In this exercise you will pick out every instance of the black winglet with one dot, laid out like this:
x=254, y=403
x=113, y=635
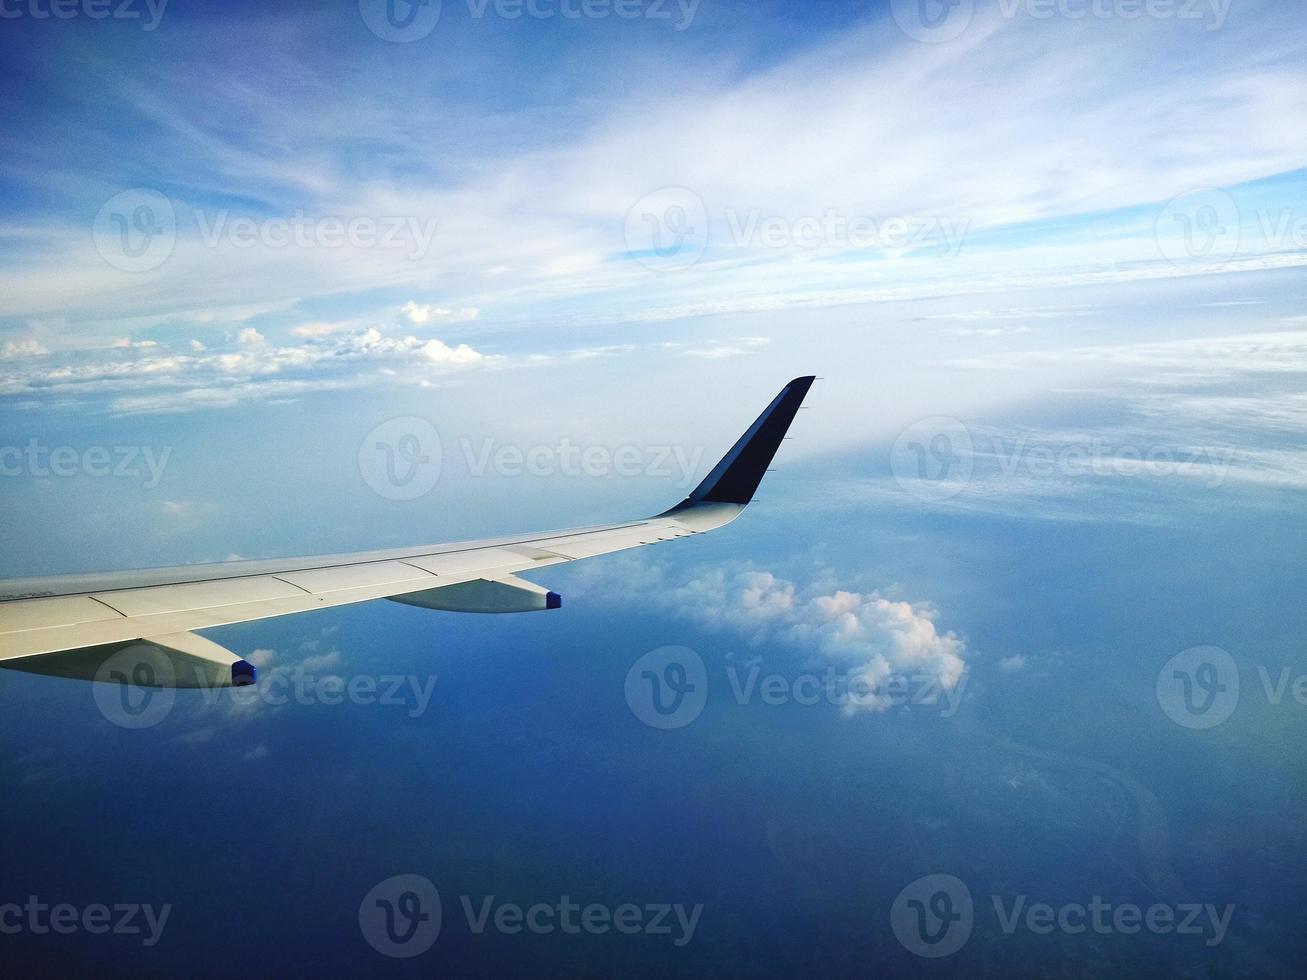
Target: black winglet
x=736, y=477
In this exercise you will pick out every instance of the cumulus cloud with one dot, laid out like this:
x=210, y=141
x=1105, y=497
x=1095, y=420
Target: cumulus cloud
x=439, y=353
x=287, y=673
x=1010, y=665
x=876, y=641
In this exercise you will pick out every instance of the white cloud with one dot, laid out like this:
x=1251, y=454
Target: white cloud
x=422, y=315
x=439, y=353
x=316, y=662
x=262, y=657
x=877, y=641
x=188, y=508
x=538, y=218
x=713, y=353
x=153, y=379
x=1010, y=665
x=23, y=348
x=317, y=328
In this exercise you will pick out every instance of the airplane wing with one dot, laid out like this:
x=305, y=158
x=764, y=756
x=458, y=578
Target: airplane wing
x=79, y=626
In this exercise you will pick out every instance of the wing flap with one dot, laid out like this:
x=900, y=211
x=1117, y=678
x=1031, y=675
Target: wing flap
x=322, y=580
x=605, y=542
x=196, y=595
x=63, y=611
x=477, y=560
x=173, y=660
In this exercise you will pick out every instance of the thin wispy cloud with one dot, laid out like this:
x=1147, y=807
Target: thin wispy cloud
x=783, y=159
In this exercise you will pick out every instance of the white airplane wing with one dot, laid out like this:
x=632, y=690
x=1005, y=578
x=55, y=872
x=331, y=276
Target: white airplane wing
x=79, y=626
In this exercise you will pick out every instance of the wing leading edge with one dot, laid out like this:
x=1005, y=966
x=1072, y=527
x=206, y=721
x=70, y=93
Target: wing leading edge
x=73, y=626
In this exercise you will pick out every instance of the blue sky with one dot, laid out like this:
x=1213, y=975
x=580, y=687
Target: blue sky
x=1057, y=250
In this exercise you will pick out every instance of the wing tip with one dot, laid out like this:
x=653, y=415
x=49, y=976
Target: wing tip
x=736, y=477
